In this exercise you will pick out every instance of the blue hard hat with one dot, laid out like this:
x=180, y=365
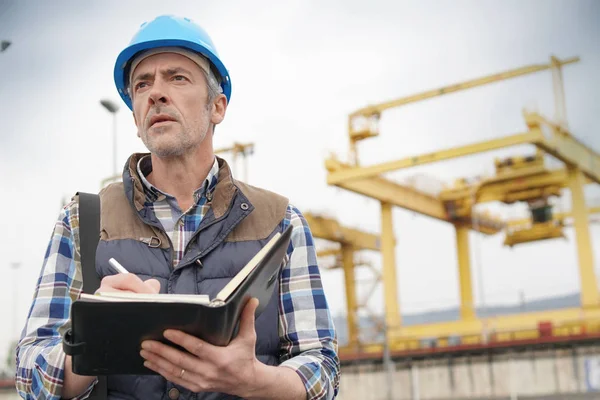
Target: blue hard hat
x=169, y=31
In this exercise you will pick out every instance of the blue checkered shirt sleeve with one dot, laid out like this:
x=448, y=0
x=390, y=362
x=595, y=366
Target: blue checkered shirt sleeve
x=307, y=333
x=40, y=358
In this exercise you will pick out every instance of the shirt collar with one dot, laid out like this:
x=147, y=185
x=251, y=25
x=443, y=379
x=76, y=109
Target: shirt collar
x=144, y=168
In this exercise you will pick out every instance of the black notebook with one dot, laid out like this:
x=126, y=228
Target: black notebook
x=107, y=329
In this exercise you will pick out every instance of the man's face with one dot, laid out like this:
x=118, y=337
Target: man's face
x=169, y=95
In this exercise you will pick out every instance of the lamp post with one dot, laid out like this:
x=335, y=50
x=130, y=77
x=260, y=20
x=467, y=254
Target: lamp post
x=112, y=108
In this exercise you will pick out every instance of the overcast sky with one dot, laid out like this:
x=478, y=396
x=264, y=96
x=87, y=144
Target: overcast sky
x=298, y=69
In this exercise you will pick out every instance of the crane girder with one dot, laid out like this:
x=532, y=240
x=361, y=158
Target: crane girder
x=330, y=229
x=362, y=172
x=377, y=109
x=526, y=184
x=411, y=199
x=559, y=142
x=391, y=192
x=551, y=138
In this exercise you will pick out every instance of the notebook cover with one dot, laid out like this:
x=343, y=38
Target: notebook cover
x=105, y=337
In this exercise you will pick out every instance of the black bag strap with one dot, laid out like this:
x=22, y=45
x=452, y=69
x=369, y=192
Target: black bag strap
x=89, y=235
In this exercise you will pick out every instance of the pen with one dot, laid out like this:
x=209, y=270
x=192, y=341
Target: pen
x=118, y=267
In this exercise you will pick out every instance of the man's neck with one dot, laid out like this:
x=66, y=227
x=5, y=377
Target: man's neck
x=181, y=176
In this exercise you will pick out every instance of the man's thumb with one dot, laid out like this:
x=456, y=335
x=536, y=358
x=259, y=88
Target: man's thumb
x=247, y=318
x=153, y=284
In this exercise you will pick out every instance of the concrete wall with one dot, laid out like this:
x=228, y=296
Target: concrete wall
x=548, y=374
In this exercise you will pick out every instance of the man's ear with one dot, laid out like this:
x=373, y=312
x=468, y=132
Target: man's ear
x=218, y=109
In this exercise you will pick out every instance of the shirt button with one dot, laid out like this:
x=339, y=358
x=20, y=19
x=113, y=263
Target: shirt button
x=173, y=393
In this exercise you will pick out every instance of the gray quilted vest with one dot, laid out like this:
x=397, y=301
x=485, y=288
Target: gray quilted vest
x=241, y=220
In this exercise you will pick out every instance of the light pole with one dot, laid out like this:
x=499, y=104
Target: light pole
x=112, y=108
x=15, y=266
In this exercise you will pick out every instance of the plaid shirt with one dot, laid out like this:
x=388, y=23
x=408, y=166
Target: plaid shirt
x=307, y=334
x=179, y=226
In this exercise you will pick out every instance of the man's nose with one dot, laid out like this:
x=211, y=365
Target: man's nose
x=158, y=93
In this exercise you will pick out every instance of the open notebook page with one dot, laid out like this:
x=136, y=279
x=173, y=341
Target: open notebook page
x=158, y=298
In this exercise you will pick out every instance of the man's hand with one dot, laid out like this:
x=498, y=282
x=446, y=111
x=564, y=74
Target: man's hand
x=230, y=369
x=128, y=283
x=233, y=369
x=73, y=384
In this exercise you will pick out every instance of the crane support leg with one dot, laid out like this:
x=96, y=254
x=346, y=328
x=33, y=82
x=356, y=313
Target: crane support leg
x=392, y=315
x=351, y=306
x=467, y=309
x=587, y=276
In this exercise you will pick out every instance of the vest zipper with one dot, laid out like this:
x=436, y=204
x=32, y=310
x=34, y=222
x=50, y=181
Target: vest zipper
x=200, y=229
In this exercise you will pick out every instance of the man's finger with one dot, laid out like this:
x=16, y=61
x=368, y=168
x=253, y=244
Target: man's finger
x=197, y=347
x=169, y=358
x=153, y=284
x=125, y=282
x=188, y=380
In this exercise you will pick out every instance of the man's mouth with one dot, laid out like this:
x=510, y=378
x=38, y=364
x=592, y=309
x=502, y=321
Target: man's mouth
x=160, y=119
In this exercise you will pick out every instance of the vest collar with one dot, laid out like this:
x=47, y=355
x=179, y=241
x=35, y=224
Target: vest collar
x=222, y=196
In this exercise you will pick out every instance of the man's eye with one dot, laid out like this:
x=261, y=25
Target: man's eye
x=140, y=85
x=179, y=78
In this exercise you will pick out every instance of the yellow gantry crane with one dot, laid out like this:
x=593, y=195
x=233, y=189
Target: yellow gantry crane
x=349, y=242
x=517, y=179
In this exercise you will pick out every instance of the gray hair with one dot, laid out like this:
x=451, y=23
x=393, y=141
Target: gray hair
x=214, y=89
x=213, y=86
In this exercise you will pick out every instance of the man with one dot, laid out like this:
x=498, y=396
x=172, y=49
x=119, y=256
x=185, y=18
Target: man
x=180, y=223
